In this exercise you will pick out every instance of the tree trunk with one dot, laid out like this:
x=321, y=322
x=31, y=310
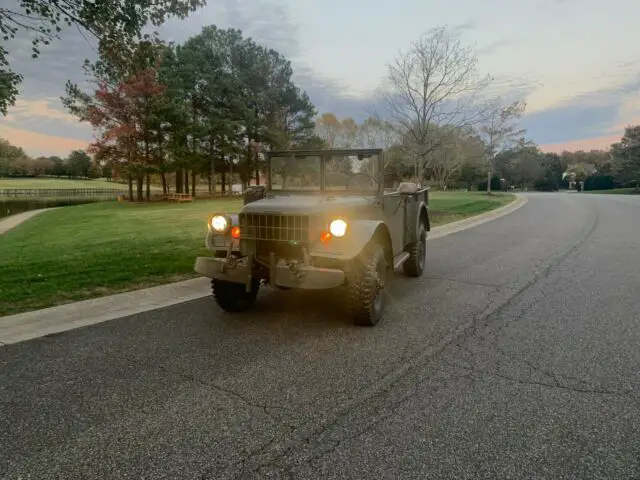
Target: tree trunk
x=139, y=185
x=186, y=181
x=209, y=182
x=212, y=178
x=179, y=178
x=164, y=183
x=489, y=182
x=257, y=175
x=130, y=181
x=148, y=192
x=223, y=180
x=193, y=183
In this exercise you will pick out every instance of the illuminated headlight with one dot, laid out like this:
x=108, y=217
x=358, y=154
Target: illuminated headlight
x=219, y=223
x=338, y=228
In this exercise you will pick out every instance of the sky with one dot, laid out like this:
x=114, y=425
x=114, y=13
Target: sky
x=575, y=62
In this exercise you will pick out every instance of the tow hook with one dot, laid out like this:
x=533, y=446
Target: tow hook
x=295, y=271
x=229, y=264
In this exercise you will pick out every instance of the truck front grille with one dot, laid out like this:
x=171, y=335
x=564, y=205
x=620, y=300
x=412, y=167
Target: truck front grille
x=279, y=228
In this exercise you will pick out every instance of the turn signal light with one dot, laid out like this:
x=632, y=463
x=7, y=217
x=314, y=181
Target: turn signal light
x=235, y=232
x=325, y=237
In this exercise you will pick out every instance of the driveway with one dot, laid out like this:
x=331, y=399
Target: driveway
x=517, y=355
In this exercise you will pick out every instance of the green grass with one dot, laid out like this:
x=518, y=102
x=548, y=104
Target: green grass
x=446, y=207
x=86, y=251
x=615, y=191
x=55, y=183
x=65, y=183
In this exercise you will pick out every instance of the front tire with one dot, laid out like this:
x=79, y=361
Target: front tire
x=367, y=296
x=233, y=297
x=414, y=265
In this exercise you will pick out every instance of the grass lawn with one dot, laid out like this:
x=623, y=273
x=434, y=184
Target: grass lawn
x=54, y=183
x=615, y=191
x=65, y=183
x=446, y=207
x=85, y=251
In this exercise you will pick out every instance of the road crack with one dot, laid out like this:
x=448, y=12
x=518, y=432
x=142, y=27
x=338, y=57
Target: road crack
x=301, y=436
x=556, y=385
x=466, y=282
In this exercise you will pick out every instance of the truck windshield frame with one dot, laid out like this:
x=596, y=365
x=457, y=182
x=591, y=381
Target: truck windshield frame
x=316, y=180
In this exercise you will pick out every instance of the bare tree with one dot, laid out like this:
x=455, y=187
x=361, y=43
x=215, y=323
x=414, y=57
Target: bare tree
x=500, y=131
x=462, y=147
x=376, y=133
x=435, y=83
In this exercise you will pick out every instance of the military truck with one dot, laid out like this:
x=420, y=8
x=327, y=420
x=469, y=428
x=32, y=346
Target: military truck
x=324, y=220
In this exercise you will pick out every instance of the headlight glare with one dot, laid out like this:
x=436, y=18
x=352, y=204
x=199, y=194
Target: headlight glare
x=219, y=223
x=338, y=227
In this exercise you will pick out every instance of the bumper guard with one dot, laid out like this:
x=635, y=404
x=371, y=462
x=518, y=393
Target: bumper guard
x=282, y=275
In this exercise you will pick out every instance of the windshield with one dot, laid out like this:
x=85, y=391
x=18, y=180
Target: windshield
x=341, y=173
x=291, y=173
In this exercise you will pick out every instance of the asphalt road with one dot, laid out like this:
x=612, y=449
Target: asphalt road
x=517, y=355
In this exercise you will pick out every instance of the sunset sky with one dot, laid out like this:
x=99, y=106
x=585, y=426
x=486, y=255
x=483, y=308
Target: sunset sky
x=575, y=62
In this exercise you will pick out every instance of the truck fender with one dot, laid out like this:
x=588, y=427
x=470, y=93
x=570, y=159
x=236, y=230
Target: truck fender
x=423, y=216
x=359, y=234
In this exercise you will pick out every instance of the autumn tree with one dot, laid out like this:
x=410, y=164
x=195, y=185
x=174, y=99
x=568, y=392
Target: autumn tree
x=337, y=133
x=123, y=118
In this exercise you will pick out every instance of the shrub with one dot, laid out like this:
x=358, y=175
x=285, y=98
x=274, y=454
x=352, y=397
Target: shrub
x=545, y=185
x=599, y=182
x=496, y=184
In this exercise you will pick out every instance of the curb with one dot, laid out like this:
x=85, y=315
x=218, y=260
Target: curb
x=48, y=321
x=464, y=224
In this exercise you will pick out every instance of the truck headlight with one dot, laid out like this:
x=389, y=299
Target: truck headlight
x=338, y=227
x=219, y=223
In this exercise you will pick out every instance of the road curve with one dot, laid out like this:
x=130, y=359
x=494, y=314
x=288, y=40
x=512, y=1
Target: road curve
x=517, y=355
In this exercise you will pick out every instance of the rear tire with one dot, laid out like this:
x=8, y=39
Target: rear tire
x=233, y=297
x=414, y=265
x=367, y=296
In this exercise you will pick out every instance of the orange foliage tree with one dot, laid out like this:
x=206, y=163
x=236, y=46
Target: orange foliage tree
x=125, y=117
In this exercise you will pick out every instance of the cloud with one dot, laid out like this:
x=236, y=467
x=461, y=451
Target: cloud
x=25, y=109
x=36, y=144
x=557, y=113
x=596, y=143
x=493, y=46
x=586, y=115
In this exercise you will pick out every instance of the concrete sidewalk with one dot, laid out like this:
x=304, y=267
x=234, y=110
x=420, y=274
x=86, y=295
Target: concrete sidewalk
x=28, y=325
x=13, y=221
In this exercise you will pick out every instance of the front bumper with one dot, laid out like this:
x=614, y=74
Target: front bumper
x=312, y=278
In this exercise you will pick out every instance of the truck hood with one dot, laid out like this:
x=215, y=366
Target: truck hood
x=307, y=204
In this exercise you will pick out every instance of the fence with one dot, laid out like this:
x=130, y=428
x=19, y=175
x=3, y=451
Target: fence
x=25, y=193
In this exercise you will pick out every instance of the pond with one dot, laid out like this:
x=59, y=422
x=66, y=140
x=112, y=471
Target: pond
x=13, y=206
